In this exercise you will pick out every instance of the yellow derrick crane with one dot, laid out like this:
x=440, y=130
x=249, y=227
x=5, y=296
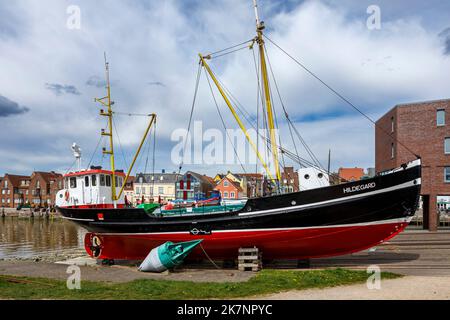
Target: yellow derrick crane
x=107, y=102
x=267, y=100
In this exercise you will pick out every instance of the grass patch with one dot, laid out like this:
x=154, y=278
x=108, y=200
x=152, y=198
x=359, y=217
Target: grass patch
x=265, y=282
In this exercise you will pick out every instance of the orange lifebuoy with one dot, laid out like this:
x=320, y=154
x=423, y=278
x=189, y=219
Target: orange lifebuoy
x=67, y=195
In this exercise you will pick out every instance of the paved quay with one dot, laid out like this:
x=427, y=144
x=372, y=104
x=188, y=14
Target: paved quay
x=413, y=253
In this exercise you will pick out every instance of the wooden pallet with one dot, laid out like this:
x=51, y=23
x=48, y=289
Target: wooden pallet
x=249, y=259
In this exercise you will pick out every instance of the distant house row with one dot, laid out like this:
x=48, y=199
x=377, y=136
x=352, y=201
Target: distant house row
x=40, y=188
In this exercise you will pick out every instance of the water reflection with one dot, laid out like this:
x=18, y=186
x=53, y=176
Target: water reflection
x=29, y=238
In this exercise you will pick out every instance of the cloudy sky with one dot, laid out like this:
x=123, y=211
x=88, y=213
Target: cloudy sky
x=50, y=74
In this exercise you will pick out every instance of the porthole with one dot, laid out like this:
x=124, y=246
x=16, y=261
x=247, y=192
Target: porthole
x=320, y=175
x=293, y=202
x=306, y=176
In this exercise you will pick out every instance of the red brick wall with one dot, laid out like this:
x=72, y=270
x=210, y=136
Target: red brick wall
x=416, y=127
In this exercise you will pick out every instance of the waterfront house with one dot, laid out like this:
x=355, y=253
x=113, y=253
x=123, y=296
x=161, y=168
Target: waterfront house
x=229, y=189
x=14, y=190
x=155, y=187
x=43, y=187
x=289, y=180
x=128, y=190
x=194, y=186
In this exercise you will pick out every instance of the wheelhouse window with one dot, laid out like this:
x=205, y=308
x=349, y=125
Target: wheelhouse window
x=119, y=181
x=440, y=117
x=86, y=181
x=108, y=180
x=447, y=146
x=447, y=174
x=94, y=180
x=73, y=182
x=102, y=180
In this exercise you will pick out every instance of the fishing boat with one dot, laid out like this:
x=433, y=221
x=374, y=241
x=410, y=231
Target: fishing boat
x=325, y=221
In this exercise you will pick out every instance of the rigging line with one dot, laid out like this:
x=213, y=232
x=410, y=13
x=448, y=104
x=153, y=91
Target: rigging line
x=342, y=97
x=154, y=160
x=229, y=48
x=257, y=101
x=281, y=101
x=120, y=144
x=70, y=168
x=223, y=123
x=95, y=150
x=190, y=116
x=305, y=145
x=229, y=52
x=265, y=139
x=132, y=114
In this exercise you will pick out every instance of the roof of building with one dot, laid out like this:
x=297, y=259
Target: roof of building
x=202, y=177
x=157, y=177
x=250, y=175
x=421, y=102
x=350, y=174
x=48, y=176
x=16, y=179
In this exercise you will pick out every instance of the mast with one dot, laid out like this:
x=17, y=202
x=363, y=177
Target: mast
x=267, y=97
x=106, y=101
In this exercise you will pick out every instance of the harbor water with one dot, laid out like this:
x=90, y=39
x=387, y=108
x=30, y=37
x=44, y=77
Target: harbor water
x=40, y=238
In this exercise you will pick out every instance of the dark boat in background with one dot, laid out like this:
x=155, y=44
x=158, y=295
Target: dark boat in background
x=327, y=221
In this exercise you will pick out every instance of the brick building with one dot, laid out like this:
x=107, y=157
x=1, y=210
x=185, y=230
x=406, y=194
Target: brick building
x=43, y=188
x=229, y=189
x=14, y=190
x=424, y=129
x=289, y=180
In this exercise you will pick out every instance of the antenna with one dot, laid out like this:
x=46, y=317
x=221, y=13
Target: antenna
x=255, y=6
x=77, y=154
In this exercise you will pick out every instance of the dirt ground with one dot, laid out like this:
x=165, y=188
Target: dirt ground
x=407, y=288
x=118, y=273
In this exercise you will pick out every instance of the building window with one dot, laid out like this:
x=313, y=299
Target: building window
x=225, y=194
x=440, y=117
x=161, y=190
x=392, y=124
x=447, y=174
x=447, y=145
x=225, y=183
x=231, y=194
x=392, y=151
x=6, y=183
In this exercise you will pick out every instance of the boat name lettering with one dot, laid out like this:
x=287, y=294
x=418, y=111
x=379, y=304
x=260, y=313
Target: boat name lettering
x=360, y=187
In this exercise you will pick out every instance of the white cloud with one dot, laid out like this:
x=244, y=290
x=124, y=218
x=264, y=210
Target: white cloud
x=158, y=42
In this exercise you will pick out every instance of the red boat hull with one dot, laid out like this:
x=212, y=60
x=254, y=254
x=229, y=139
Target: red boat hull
x=295, y=243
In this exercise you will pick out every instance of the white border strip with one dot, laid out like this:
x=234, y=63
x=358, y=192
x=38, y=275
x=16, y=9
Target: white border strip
x=363, y=224
x=366, y=194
